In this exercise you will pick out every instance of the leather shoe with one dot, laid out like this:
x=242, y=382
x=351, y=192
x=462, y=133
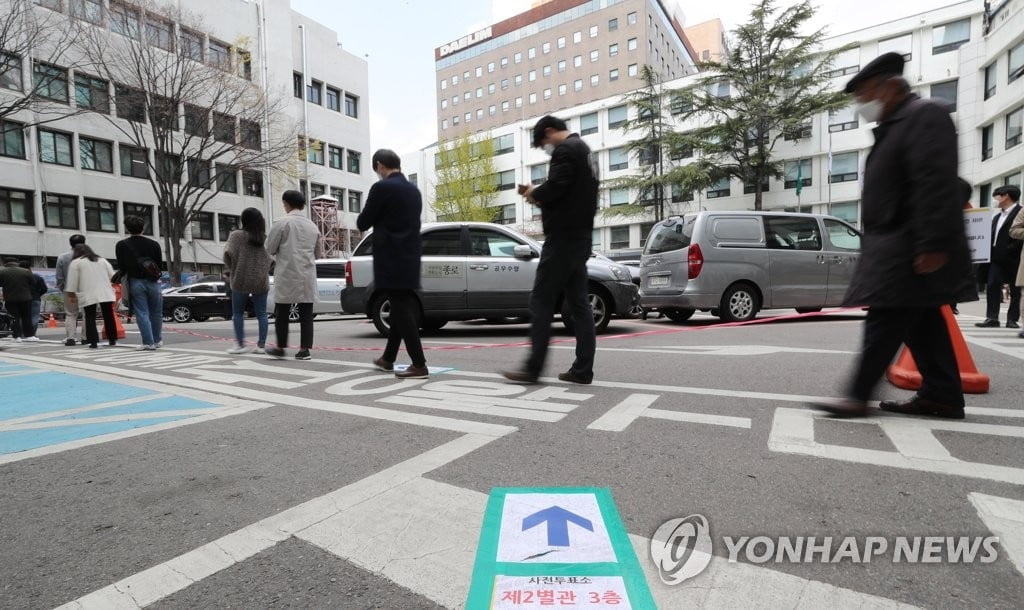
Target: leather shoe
x=922, y=406
x=383, y=365
x=414, y=372
x=574, y=377
x=844, y=407
x=520, y=376
x=1012, y=325
x=988, y=323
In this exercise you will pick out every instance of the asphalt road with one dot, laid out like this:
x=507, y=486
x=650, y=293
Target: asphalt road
x=188, y=477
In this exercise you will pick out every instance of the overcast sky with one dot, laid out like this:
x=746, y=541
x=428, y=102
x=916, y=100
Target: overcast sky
x=398, y=38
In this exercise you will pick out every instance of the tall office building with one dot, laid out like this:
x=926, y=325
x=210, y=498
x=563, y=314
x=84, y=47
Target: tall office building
x=557, y=55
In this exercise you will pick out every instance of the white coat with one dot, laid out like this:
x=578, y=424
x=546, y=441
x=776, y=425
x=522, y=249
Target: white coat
x=90, y=281
x=294, y=242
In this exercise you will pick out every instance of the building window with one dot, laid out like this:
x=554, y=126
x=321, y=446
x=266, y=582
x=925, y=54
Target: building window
x=547, y=94
x=506, y=180
x=720, y=188
x=218, y=55
x=1013, y=127
x=618, y=158
x=594, y=80
x=593, y=31
x=504, y=62
x=505, y=107
x=987, y=140
x=252, y=183
x=226, y=223
x=847, y=62
x=680, y=195
x=10, y=71
x=492, y=110
x=202, y=225
x=594, y=56
x=946, y=91
x=504, y=144
x=131, y=104
x=87, y=10
x=613, y=50
x=577, y=85
x=505, y=215
x=561, y=42
x=588, y=123
x=990, y=81
x=96, y=155
x=60, y=211
x=92, y=93
x=479, y=113
x=168, y=167
x=899, y=44
x=844, y=167
x=798, y=170
x=531, y=53
x=682, y=150
x=546, y=48
x=616, y=116
x=314, y=92
x=793, y=132
x=190, y=44
x=538, y=173
x=197, y=121
x=164, y=113
x=316, y=190
x=145, y=212
x=100, y=215
x=351, y=106
x=315, y=152
x=577, y=37
x=199, y=173
x=12, y=144
x=631, y=44
x=339, y=197
x=613, y=24
x=134, y=161
x=719, y=89
x=618, y=196
x=631, y=18
x=160, y=33
x=951, y=36
x=124, y=20
x=51, y=82
x=250, y=134
x=353, y=161
x=224, y=128
x=355, y=201
x=334, y=156
x=55, y=147
x=297, y=84
x=16, y=207
x=842, y=119
x=619, y=237
x=631, y=70
x=227, y=178
x=1015, y=62
x=517, y=58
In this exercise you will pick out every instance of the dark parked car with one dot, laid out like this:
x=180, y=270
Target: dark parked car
x=197, y=302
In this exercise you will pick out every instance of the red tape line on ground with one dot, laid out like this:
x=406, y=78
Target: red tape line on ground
x=644, y=333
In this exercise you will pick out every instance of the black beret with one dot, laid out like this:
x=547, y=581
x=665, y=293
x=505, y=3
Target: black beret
x=887, y=64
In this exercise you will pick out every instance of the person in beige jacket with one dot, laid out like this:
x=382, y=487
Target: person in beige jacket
x=1017, y=232
x=88, y=283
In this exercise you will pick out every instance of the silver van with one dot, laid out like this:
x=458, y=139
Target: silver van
x=735, y=263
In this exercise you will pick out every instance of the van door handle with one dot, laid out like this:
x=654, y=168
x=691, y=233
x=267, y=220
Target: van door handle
x=478, y=267
x=822, y=260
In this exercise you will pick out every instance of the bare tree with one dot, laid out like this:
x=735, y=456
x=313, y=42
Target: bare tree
x=191, y=111
x=34, y=59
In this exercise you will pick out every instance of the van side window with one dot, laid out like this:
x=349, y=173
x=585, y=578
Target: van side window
x=490, y=243
x=445, y=242
x=330, y=270
x=842, y=236
x=791, y=233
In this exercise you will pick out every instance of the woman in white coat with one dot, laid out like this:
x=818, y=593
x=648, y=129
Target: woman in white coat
x=89, y=284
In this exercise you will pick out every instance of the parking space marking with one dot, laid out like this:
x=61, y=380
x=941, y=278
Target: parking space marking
x=1003, y=517
x=619, y=417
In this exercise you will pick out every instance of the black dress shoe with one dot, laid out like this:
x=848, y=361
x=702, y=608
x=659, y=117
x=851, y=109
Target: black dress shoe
x=520, y=376
x=845, y=407
x=988, y=323
x=922, y=406
x=1012, y=325
x=574, y=377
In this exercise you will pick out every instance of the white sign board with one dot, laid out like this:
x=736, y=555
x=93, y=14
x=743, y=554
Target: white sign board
x=978, y=225
x=553, y=528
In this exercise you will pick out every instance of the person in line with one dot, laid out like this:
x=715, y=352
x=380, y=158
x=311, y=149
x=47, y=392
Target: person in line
x=70, y=306
x=17, y=285
x=392, y=210
x=140, y=258
x=248, y=269
x=1004, y=260
x=294, y=242
x=39, y=289
x=1017, y=233
x=88, y=283
x=914, y=254
x=568, y=202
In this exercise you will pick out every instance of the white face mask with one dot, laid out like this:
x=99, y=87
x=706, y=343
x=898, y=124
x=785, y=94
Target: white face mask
x=871, y=111
x=549, y=149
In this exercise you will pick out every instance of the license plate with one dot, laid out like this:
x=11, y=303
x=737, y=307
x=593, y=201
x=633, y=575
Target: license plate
x=657, y=280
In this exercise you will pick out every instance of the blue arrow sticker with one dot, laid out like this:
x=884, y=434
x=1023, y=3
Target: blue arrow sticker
x=558, y=520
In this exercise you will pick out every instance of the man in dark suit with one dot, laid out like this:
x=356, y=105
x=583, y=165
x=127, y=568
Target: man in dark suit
x=914, y=255
x=1004, y=260
x=392, y=210
x=568, y=202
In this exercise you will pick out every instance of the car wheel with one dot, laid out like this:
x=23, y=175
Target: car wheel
x=808, y=309
x=181, y=314
x=739, y=303
x=380, y=313
x=678, y=315
x=600, y=304
x=293, y=312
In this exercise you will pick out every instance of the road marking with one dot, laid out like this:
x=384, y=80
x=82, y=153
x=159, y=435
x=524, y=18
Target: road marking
x=716, y=350
x=793, y=432
x=449, y=404
x=699, y=418
x=1005, y=518
x=67, y=412
x=619, y=417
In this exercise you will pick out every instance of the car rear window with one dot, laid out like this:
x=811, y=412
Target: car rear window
x=330, y=270
x=365, y=247
x=669, y=235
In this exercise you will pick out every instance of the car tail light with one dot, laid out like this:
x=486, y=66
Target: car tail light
x=348, y=273
x=695, y=258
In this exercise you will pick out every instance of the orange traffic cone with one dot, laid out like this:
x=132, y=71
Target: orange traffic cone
x=904, y=373
x=52, y=323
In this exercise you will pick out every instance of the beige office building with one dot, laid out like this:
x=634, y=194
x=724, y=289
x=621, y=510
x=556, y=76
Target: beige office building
x=557, y=55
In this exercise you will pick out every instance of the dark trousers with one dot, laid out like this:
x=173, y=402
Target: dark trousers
x=925, y=333
x=22, y=325
x=562, y=270
x=305, y=324
x=999, y=274
x=404, y=322
x=109, y=325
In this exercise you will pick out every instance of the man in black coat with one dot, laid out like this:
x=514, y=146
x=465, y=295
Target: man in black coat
x=1004, y=260
x=914, y=254
x=568, y=202
x=392, y=209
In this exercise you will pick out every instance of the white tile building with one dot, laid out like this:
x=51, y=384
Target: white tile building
x=948, y=52
x=45, y=198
